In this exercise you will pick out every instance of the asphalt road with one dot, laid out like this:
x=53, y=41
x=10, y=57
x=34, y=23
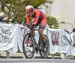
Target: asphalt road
x=22, y=60
x=18, y=58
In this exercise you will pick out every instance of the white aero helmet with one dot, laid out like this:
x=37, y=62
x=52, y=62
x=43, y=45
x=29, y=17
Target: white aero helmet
x=29, y=8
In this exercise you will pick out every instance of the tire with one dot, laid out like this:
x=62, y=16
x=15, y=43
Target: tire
x=44, y=50
x=28, y=50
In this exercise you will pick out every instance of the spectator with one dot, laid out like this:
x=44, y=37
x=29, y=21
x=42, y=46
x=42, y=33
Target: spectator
x=3, y=17
x=73, y=30
x=66, y=31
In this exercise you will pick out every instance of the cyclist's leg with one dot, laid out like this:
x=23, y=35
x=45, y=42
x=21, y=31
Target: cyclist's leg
x=41, y=28
x=41, y=34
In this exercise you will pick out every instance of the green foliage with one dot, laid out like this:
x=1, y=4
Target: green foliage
x=17, y=7
x=52, y=22
x=35, y=3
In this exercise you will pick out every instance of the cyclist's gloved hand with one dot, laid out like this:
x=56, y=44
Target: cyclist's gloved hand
x=29, y=25
x=34, y=24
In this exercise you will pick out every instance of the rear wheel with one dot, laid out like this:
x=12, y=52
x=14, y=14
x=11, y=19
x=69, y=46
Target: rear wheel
x=44, y=48
x=28, y=46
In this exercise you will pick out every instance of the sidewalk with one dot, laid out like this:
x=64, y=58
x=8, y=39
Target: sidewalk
x=21, y=55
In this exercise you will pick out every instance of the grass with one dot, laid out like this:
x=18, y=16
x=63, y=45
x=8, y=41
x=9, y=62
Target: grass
x=57, y=56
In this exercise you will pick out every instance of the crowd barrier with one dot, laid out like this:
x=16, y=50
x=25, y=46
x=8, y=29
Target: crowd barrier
x=11, y=39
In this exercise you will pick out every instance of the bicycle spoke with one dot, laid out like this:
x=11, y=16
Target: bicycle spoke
x=28, y=48
x=44, y=48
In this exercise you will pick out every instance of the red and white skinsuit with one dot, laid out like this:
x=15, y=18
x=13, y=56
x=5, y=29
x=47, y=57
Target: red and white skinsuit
x=38, y=19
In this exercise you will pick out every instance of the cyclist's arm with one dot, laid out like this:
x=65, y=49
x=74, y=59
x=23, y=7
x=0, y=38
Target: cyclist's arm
x=35, y=21
x=27, y=19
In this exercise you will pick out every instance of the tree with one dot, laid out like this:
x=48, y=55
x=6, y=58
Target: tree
x=35, y=3
x=16, y=8
x=52, y=22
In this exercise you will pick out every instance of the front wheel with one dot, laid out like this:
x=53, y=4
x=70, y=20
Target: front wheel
x=28, y=46
x=44, y=49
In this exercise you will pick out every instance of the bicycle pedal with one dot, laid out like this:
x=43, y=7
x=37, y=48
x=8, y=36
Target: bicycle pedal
x=36, y=49
x=43, y=44
x=40, y=48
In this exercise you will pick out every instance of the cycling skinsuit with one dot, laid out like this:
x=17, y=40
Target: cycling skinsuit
x=38, y=19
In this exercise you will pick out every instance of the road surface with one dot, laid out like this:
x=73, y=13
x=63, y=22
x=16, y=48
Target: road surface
x=22, y=60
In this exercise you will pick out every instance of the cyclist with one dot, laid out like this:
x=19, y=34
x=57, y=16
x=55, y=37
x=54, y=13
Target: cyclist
x=38, y=19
